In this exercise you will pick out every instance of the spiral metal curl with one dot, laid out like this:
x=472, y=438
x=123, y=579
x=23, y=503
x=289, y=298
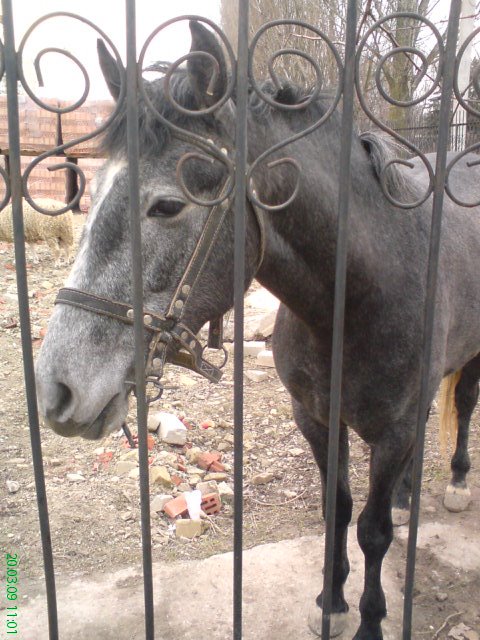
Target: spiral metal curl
x=61, y=149
x=6, y=198
x=401, y=103
x=472, y=111
x=2, y=61
x=252, y=194
x=211, y=151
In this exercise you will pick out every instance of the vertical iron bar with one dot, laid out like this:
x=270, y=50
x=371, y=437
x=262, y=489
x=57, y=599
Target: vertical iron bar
x=139, y=331
x=24, y=311
x=239, y=290
x=432, y=273
x=339, y=313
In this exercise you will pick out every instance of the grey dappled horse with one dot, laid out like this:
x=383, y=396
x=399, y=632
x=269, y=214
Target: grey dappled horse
x=86, y=358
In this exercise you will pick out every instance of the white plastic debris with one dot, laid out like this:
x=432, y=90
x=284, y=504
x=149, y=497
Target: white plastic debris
x=194, y=503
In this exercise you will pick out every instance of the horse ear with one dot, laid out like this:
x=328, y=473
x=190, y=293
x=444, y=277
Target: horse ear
x=209, y=80
x=110, y=69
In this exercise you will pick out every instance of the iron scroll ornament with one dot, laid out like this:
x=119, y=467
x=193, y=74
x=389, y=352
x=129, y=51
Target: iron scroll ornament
x=406, y=50
x=61, y=149
x=252, y=194
x=6, y=198
x=470, y=109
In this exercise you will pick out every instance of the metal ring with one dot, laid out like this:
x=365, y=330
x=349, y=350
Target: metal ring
x=225, y=355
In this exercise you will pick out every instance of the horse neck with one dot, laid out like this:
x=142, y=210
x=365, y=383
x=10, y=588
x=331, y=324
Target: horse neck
x=299, y=262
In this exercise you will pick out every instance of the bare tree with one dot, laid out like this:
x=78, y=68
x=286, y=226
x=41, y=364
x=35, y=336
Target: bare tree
x=403, y=75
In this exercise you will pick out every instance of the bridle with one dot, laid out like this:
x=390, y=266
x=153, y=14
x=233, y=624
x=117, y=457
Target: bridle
x=172, y=341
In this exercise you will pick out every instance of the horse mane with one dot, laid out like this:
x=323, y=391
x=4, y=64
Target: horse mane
x=380, y=152
x=154, y=135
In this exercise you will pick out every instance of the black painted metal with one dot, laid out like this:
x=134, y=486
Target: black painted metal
x=137, y=286
x=10, y=61
x=434, y=253
x=240, y=183
x=239, y=279
x=339, y=314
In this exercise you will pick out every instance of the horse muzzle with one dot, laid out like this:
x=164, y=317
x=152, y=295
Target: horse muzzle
x=57, y=409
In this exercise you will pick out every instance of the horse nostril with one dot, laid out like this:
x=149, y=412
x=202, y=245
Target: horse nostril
x=62, y=401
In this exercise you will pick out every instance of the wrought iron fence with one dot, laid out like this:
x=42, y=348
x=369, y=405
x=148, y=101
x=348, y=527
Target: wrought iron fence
x=241, y=174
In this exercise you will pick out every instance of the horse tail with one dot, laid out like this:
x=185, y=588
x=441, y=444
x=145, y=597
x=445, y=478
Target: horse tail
x=448, y=412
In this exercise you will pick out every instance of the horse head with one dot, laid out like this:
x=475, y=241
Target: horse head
x=86, y=362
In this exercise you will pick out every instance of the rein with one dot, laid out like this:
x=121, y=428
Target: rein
x=172, y=341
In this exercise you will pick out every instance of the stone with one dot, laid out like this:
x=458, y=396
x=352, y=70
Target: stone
x=255, y=375
x=218, y=476
x=296, y=451
x=130, y=456
x=160, y=475
x=185, y=528
x=225, y=491
x=441, y=596
x=184, y=486
x=134, y=474
x=153, y=422
x=159, y=502
x=194, y=480
x=262, y=478
x=123, y=467
x=192, y=454
x=264, y=327
x=265, y=358
x=462, y=632
x=253, y=348
x=186, y=381
x=167, y=458
x=172, y=430
x=13, y=486
x=207, y=487
x=196, y=471
x=75, y=477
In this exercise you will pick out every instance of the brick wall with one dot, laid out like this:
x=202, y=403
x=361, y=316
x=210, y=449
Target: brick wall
x=39, y=130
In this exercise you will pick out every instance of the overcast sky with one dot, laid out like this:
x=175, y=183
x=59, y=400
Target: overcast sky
x=61, y=78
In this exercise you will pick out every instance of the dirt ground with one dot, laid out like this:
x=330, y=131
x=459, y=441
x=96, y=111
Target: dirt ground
x=95, y=518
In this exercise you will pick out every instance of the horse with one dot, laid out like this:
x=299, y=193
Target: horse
x=86, y=363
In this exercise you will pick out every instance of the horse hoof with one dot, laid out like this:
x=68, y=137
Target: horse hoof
x=456, y=498
x=338, y=622
x=400, y=516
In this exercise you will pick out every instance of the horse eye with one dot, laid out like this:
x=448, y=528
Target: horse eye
x=165, y=208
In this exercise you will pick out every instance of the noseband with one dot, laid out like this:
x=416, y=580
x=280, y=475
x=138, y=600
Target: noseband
x=172, y=341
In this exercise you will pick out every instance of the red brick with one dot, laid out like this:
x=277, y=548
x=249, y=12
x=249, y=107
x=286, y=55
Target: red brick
x=176, y=507
x=211, y=503
x=216, y=467
x=206, y=460
x=176, y=480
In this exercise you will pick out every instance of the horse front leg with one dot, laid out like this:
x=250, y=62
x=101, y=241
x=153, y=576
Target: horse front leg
x=317, y=436
x=375, y=529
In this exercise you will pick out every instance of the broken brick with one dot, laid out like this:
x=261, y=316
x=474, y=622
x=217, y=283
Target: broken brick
x=211, y=504
x=207, y=459
x=176, y=507
x=177, y=480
